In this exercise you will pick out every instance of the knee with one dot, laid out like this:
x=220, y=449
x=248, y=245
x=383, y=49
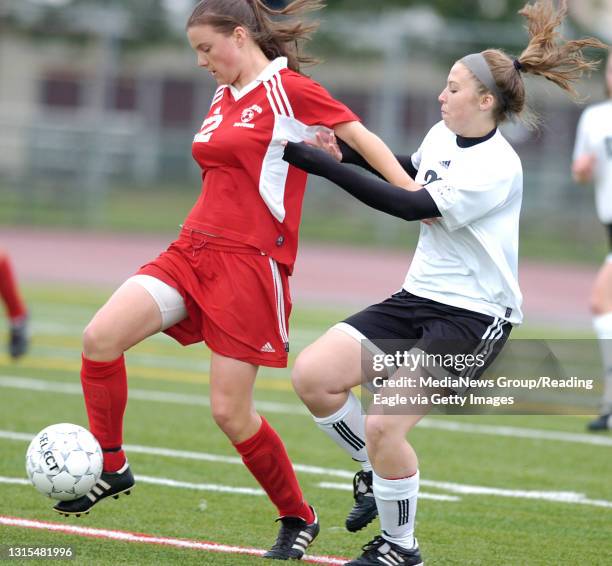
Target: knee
x=597, y=304
x=230, y=419
x=306, y=377
x=377, y=433
x=222, y=416
x=99, y=343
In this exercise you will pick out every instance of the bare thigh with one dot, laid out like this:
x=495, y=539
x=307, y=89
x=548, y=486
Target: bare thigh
x=128, y=317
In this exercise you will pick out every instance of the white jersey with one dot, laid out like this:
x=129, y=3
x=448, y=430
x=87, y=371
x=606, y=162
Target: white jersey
x=594, y=137
x=469, y=257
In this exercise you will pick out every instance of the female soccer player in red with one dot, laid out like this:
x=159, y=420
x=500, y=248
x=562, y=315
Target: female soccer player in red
x=461, y=293
x=15, y=308
x=224, y=281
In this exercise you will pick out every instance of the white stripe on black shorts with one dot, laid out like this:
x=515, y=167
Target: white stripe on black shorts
x=405, y=321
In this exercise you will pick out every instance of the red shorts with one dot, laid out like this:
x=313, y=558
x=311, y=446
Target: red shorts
x=237, y=298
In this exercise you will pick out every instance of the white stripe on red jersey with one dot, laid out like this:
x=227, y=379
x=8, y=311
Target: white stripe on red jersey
x=249, y=193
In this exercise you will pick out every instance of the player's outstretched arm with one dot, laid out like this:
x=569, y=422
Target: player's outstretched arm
x=380, y=195
x=376, y=154
x=349, y=155
x=341, y=151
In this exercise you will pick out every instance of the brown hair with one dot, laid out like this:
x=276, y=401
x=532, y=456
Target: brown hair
x=547, y=55
x=276, y=32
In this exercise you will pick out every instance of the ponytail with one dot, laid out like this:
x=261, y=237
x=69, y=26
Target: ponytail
x=547, y=54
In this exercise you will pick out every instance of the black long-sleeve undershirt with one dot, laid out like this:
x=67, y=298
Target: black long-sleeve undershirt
x=380, y=195
x=349, y=155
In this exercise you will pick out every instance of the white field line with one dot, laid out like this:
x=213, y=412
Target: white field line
x=79, y=321
x=167, y=482
x=349, y=487
x=14, y=481
x=553, y=496
x=31, y=384
x=126, y=536
x=518, y=432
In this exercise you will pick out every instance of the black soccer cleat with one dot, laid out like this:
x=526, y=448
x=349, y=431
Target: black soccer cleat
x=602, y=422
x=294, y=537
x=364, y=510
x=19, y=338
x=380, y=551
x=110, y=484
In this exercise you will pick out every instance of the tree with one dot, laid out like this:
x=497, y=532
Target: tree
x=500, y=10
x=141, y=20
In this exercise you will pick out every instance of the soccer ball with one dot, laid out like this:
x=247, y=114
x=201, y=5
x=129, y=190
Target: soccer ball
x=64, y=461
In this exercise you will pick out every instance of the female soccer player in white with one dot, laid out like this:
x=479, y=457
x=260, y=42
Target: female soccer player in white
x=462, y=283
x=224, y=280
x=593, y=162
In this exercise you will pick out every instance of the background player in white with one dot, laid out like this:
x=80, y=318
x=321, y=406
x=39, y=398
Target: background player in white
x=462, y=283
x=224, y=280
x=593, y=162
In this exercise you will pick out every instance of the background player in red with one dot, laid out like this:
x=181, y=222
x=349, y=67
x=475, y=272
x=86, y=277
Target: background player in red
x=224, y=281
x=16, y=309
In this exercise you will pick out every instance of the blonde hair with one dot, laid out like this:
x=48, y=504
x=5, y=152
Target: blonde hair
x=547, y=54
x=276, y=32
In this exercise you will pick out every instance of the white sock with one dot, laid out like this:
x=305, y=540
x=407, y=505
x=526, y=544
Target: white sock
x=603, y=329
x=346, y=427
x=397, y=504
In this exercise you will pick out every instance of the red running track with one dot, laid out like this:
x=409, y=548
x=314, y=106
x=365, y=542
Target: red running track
x=325, y=274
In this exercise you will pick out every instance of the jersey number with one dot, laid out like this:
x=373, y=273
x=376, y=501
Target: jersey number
x=208, y=127
x=431, y=176
x=609, y=147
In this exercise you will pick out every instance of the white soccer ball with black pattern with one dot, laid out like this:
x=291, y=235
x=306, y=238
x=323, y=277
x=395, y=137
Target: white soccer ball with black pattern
x=64, y=461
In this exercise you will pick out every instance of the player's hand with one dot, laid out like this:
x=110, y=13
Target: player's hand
x=583, y=168
x=308, y=158
x=327, y=142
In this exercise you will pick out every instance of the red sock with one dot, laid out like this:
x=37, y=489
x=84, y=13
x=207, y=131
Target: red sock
x=105, y=390
x=265, y=456
x=8, y=290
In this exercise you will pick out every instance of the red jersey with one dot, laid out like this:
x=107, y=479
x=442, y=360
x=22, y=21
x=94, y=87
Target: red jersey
x=249, y=194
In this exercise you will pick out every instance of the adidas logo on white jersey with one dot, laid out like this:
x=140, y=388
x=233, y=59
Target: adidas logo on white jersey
x=445, y=164
x=267, y=347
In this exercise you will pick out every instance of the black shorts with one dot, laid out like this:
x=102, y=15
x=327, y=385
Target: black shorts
x=405, y=321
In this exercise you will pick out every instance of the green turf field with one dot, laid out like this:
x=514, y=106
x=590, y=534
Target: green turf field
x=490, y=496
